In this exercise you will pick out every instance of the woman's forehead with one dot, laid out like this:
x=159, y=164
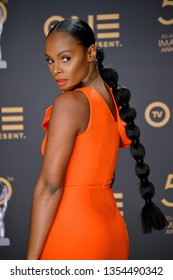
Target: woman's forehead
x=60, y=41
x=61, y=37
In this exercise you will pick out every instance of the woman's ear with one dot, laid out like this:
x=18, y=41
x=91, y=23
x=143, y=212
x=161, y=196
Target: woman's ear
x=92, y=52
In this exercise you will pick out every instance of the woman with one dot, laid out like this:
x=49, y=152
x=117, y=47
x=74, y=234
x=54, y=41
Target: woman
x=74, y=213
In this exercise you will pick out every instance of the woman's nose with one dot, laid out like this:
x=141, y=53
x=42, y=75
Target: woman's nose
x=57, y=70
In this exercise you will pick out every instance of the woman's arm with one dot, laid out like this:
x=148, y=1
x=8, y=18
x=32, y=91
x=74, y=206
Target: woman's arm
x=70, y=116
x=45, y=203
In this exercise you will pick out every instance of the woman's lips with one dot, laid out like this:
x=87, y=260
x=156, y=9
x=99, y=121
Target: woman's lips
x=61, y=82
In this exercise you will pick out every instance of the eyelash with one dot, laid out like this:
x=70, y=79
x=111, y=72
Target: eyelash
x=50, y=61
x=67, y=58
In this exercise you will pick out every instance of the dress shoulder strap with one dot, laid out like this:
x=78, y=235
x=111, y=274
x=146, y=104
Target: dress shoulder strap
x=124, y=140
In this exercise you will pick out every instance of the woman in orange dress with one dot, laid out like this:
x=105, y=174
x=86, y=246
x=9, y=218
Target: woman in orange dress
x=74, y=213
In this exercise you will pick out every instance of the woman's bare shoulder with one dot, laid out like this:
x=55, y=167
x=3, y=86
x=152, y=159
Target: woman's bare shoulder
x=73, y=106
x=71, y=98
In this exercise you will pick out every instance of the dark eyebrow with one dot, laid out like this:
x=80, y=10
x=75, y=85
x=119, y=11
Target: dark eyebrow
x=59, y=52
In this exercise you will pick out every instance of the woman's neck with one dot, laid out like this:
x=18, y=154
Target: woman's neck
x=93, y=80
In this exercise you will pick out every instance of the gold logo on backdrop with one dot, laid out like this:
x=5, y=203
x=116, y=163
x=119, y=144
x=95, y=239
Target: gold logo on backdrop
x=169, y=185
x=5, y=195
x=4, y=12
x=3, y=17
x=9, y=118
x=168, y=202
x=12, y=123
x=162, y=20
x=157, y=114
x=169, y=228
x=165, y=42
x=49, y=23
x=119, y=202
x=6, y=190
x=105, y=26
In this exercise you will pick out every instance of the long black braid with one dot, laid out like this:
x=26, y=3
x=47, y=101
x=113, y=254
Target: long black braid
x=151, y=215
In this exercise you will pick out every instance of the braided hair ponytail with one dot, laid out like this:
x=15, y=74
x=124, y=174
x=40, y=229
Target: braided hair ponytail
x=151, y=215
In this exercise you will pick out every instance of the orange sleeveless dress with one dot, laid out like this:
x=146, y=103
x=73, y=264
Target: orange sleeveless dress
x=88, y=224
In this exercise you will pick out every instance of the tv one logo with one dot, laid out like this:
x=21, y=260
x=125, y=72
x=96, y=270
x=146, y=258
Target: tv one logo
x=105, y=26
x=157, y=114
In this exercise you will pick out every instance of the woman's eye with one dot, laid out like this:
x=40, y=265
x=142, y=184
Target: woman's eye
x=65, y=58
x=50, y=61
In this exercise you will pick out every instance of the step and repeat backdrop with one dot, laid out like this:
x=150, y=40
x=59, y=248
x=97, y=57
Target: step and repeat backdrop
x=137, y=37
